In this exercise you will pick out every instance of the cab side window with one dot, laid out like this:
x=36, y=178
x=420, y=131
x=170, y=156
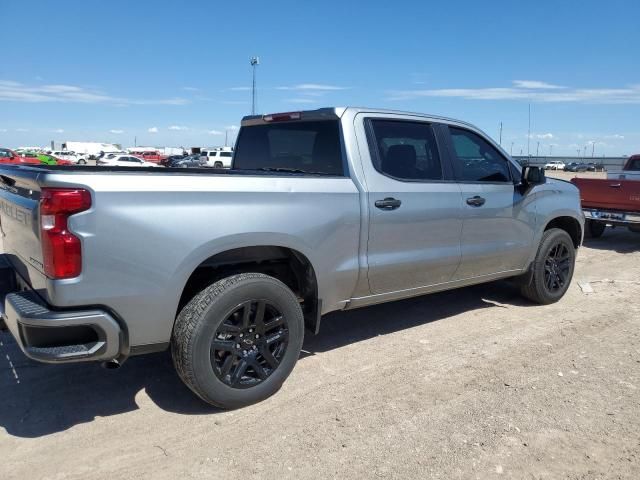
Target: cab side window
x=406, y=150
x=476, y=160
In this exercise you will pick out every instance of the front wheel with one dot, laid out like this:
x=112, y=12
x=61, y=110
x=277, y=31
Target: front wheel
x=82, y=161
x=238, y=340
x=552, y=268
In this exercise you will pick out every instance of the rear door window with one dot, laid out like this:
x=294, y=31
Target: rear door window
x=312, y=146
x=406, y=150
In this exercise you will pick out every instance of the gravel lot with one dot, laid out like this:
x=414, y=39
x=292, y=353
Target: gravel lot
x=471, y=383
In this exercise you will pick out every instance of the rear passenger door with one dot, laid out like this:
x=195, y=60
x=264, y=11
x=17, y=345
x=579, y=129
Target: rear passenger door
x=414, y=207
x=497, y=225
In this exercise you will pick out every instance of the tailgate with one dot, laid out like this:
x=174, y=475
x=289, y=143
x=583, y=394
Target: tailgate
x=19, y=222
x=621, y=195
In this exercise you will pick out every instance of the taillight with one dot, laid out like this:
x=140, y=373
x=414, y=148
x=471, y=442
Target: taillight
x=61, y=249
x=282, y=117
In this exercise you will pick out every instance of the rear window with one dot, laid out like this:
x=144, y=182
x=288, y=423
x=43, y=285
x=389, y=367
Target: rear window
x=309, y=146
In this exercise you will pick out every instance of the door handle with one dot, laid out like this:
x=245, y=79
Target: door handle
x=615, y=185
x=476, y=201
x=388, y=203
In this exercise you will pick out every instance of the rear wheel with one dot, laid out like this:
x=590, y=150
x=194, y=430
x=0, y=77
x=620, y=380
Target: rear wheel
x=217, y=165
x=552, y=268
x=237, y=341
x=595, y=229
x=82, y=161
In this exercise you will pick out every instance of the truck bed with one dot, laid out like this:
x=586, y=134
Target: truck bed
x=619, y=195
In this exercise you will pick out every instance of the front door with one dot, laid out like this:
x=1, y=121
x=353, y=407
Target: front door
x=497, y=226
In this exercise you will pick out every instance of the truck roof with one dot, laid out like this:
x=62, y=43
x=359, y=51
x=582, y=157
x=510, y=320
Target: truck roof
x=337, y=112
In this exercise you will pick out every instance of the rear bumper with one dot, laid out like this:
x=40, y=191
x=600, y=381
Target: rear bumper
x=612, y=217
x=56, y=336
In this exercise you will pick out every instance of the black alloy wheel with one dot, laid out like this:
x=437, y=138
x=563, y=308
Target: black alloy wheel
x=249, y=344
x=557, y=267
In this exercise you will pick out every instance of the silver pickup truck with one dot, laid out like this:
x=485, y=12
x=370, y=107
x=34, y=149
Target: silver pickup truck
x=322, y=210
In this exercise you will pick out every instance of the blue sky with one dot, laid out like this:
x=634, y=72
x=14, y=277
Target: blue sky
x=177, y=73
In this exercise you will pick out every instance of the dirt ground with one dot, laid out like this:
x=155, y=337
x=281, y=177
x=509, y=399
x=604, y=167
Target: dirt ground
x=472, y=383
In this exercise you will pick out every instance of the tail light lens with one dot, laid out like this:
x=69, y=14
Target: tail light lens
x=61, y=249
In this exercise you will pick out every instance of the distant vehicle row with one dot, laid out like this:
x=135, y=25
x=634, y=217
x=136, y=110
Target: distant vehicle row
x=575, y=166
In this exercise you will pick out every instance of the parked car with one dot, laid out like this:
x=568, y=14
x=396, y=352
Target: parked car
x=170, y=159
x=11, y=157
x=124, y=161
x=324, y=210
x=193, y=161
x=555, y=165
x=220, y=157
x=70, y=156
x=595, y=167
x=575, y=167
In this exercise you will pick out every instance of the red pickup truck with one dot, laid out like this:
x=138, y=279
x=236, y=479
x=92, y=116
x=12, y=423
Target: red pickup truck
x=150, y=156
x=613, y=201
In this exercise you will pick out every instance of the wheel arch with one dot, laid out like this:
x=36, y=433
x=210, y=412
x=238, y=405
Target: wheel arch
x=288, y=264
x=570, y=225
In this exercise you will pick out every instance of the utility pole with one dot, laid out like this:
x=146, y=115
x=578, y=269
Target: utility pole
x=255, y=61
x=511, y=151
x=500, y=142
x=226, y=138
x=593, y=147
x=550, y=149
x=538, y=150
x=135, y=141
x=529, y=133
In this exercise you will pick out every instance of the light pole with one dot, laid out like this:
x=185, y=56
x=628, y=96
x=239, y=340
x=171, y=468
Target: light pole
x=529, y=132
x=500, y=141
x=593, y=148
x=511, y=151
x=538, y=149
x=550, y=149
x=255, y=61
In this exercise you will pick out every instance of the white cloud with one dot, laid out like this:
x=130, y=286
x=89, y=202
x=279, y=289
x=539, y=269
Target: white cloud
x=178, y=128
x=58, y=130
x=551, y=94
x=239, y=89
x=235, y=102
x=614, y=137
x=535, y=84
x=22, y=129
x=215, y=132
x=231, y=127
x=3, y=130
x=18, y=92
x=190, y=89
x=312, y=87
x=542, y=136
x=116, y=131
x=153, y=130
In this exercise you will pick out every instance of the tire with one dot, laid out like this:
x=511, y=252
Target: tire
x=218, y=313
x=218, y=165
x=595, y=229
x=552, y=269
x=82, y=161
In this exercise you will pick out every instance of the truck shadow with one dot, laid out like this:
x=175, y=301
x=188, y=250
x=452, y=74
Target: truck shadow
x=619, y=240
x=39, y=400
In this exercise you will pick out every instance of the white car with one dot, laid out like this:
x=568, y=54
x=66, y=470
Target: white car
x=124, y=161
x=554, y=166
x=70, y=156
x=218, y=157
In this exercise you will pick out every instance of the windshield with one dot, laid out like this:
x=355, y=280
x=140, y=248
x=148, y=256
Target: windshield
x=312, y=147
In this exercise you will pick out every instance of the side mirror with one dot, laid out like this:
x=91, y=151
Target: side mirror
x=533, y=176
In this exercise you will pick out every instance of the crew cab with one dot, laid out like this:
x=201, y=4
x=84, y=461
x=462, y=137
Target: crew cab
x=323, y=210
x=612, y=201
